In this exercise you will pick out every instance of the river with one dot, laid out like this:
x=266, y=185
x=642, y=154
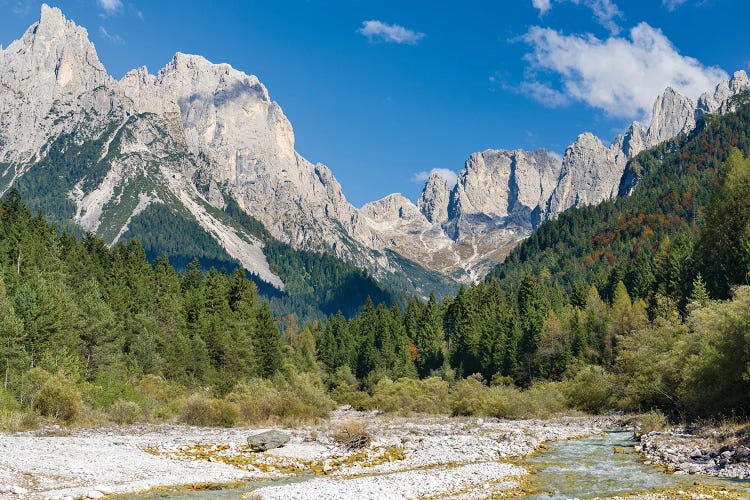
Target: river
x=598, y=466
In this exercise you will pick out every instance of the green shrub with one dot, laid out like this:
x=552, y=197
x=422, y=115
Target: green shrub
x=7, y=401
x=649, y=422
x=125, y=412
x=226, y=413
x=18, y=420
x=31, y=383
x=345, y=389
x=303, y=398
x=59, y=399
x=407, y=395
x=256, y=400
x=204, y=411
x=470, y=397
x=591, y=390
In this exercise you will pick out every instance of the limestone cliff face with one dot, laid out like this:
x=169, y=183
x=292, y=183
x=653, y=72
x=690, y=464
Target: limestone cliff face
x=433, y=202
x=157, y=134
x=501, y=196
x=48, y=80
x=720, y=100
x=499, y=183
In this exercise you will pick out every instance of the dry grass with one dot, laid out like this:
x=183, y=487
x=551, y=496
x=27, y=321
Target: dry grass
x=18, y=420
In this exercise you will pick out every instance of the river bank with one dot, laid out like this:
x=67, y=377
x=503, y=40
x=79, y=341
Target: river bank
x=720, y=451
x=405, y=456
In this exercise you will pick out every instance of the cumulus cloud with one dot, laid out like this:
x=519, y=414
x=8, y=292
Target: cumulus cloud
x=542, y=5
x=116, y=39
x=621, y=76
x=110, y=6
x=449, y=175
x=672, y=4
x=605, y=11
x=391, y=33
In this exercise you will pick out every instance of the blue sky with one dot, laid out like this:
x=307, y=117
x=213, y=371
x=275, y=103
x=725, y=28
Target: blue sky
x=383, y=90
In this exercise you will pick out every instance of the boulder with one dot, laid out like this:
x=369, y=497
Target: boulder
x=268, y=440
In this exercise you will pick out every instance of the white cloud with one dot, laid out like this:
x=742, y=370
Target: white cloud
x=605, y=11
x=449, y=175
x=393, y=33
x=556, y=156
x=619, y=75
x=542, y=5
x=116, y=39
x=110, y=6
x=672, y=4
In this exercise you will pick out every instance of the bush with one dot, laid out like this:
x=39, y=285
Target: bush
x=59, y=398
x=470, y=397
x=345, y=389
x=7, y=401
x=31, y=383
x=591, y=390
x=256, y=400
x=204, y=411
x=302, y=399
x=125, y=412
x=18, y=420
x=649, y=422
x=407, y=395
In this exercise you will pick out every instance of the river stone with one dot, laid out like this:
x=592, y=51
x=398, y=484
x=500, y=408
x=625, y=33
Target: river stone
x=268, y=440
x=742, y=454
x=696, y=454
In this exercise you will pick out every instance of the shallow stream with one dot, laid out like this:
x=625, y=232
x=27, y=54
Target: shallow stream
x=599, y=466
x=590, y=467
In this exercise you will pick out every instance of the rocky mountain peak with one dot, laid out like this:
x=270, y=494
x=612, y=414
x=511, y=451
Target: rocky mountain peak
x=52, y=22
x=54, y=70
x=673, y=114
x=433, y=202
x=391, y=208
x=54, y=46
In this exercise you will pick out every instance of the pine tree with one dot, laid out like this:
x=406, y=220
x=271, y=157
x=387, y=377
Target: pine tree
x=266, y=342
x=698, y=294
x=429, y=339
x=724, y=246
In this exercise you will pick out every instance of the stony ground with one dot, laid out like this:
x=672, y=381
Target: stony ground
x=405, y=457
x=704, y=452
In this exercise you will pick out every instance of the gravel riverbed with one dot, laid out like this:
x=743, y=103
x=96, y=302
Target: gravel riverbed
x=406, y=457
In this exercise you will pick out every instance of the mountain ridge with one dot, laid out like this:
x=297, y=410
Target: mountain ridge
x=197, y=134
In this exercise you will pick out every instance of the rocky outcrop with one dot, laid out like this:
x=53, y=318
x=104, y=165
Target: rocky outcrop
x=501, y=183
x=49, y=79
x=433, y=202
x=719, y=100
x=673, y=114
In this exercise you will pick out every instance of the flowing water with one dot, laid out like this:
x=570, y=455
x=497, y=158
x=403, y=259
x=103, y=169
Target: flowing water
x=590, y=467
x=578, y=468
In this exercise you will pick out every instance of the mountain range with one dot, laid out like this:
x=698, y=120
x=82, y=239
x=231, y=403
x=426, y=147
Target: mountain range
x=201, y=149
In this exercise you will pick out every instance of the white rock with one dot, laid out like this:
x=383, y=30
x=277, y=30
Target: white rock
x=17, y=490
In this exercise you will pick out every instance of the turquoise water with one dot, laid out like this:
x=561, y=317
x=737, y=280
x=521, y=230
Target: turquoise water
x=589, y=467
